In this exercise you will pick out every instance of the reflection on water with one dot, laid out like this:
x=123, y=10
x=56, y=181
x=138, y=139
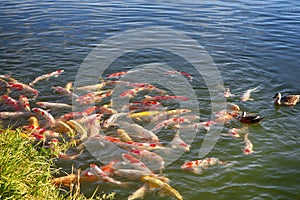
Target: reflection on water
x=253, y=43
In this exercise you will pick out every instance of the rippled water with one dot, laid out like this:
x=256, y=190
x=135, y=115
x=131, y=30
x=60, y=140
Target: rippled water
x=253, y=43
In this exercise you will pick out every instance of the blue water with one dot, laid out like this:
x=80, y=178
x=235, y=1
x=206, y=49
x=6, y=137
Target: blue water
x=253, y=43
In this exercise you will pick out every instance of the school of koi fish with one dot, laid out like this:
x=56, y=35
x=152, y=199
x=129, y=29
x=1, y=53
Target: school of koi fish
x=139, y=160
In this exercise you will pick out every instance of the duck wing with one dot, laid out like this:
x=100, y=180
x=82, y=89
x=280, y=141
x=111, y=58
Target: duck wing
x=290, y=99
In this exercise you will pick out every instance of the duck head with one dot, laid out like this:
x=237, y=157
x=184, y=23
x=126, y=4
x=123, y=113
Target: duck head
x=277, y=96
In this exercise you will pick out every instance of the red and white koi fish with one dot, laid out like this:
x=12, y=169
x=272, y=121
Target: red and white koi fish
x=207, y=124
x=140, y=87
x=46, y=76
x=178, y=143
x=197, y=166
x=109, y=168
x=166, y=98
x=49, y=105
x=149, y=157
x=94, y=98
x=142, y=106
x=11, y=102
x=227, y=93
x=139, y=132
x=117, y=74
x=135, y=163
x=180, y=72
x=14, y=115
x=23, y=87
x=24, y=103
x=90, y=96
x=171, y=121
x=71, y=115
x=248, y=145
x=246, y=95
x=42, y=132
x=134, y=145
x=102, y=176
x=64, y=91
x=50, y=119
x=233, y=132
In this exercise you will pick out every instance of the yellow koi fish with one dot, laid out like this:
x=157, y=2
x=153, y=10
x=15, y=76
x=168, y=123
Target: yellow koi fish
x=163, y=187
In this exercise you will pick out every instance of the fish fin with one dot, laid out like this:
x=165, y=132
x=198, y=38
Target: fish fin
x=197, y=170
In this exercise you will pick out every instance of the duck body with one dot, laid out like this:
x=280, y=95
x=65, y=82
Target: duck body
x=249, y=119
x=289, y=100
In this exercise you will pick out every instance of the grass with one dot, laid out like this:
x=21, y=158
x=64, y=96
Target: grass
x=26, y=172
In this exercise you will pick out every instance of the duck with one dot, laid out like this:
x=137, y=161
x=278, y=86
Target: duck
x=249, y=119
x=289, y=100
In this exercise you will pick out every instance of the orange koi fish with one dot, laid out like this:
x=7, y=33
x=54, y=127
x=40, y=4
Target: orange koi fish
x=24, y=103
x=46, y=76
x=11, y=102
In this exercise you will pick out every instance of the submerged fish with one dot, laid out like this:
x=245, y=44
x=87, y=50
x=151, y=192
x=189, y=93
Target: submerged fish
x=46, y=76
x=246, y=95
x=248, y=149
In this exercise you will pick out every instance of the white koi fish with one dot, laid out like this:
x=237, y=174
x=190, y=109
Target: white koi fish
x=246, y=95
x=49, y=105
x=50, y=119
x=46, y=76
x=138, y=131
x=248, y=149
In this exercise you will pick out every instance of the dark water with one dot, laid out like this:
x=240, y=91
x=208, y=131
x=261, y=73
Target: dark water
x=253, y=43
